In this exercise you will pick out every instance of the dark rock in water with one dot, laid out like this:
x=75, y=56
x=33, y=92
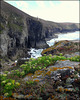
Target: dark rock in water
x=21, y=61
x=41, y=44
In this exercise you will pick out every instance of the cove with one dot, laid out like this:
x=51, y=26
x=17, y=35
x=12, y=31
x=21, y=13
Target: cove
x=64, y=36
x=35, y=53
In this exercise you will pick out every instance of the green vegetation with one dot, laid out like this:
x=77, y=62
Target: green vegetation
x=41, y=62
x=76, y=58
x=30, y=82
x=8, y=85
x=11, y=81
x=63, y=46
x=15, y=27
x=15, y=22
x=44, y=62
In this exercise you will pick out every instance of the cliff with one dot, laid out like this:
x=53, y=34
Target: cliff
x=20, y=31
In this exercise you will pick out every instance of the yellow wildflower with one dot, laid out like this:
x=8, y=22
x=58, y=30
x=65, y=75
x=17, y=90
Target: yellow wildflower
x=3, y=81
x=13, y=81
x=6, y=94
x=17, y=83
x=5, y=75
x=8, y=83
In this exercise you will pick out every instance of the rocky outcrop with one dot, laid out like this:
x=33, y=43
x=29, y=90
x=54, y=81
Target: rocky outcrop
x=63, y=46
x=20, y=31
x=62, y=77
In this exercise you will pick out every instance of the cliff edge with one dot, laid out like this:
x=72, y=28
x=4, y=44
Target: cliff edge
x=20, y=31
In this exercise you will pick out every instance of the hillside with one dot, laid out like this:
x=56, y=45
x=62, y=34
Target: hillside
x=20, y=31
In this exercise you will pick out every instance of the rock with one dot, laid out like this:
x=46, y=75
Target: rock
x=67, y=55
x=56, y=76
x=1, y=73
x=77, y=68
x=28, y=96
x=65, y=63
x=18, y=96
x=64, y=47
x=28, y=77
x=72, y=55
x=77, y=53
x=68, y=86
x=41, y=44
x=69, y=80
x=21, y=61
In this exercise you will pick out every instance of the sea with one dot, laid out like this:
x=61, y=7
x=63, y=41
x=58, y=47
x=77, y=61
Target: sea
x=35, y=53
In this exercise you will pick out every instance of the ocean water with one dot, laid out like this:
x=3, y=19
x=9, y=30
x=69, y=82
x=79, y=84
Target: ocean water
x=65, y=36
x=35, y=53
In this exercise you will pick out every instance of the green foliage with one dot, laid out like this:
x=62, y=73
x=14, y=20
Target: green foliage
x=17, y=72
x=60, y=54
x=30, y=82
x=42, y=62
x=30, y=66
x=37, y=64
x=15, y=22
x=22, y=73
x=6, y=72
x=75, y=72
x=8, y=85
x=15, y=27
x=76, y=58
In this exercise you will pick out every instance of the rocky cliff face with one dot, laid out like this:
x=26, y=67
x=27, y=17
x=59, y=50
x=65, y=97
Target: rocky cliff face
x=20, y=31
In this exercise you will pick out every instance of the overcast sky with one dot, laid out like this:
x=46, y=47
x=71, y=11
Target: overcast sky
x=57, y=11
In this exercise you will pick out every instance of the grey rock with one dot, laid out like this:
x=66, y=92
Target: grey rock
x=69, y=80
x=20, y=96
x=21, y=61
x=72, y=55
x=41, y=44
x=65, y=63
x=67, y=56
x=68, y=86
x=1, y=73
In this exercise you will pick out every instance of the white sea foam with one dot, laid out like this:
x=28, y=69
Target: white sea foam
x=64, y=36
x=35, y=53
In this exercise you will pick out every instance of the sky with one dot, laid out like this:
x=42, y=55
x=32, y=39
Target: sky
x=57, y=11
